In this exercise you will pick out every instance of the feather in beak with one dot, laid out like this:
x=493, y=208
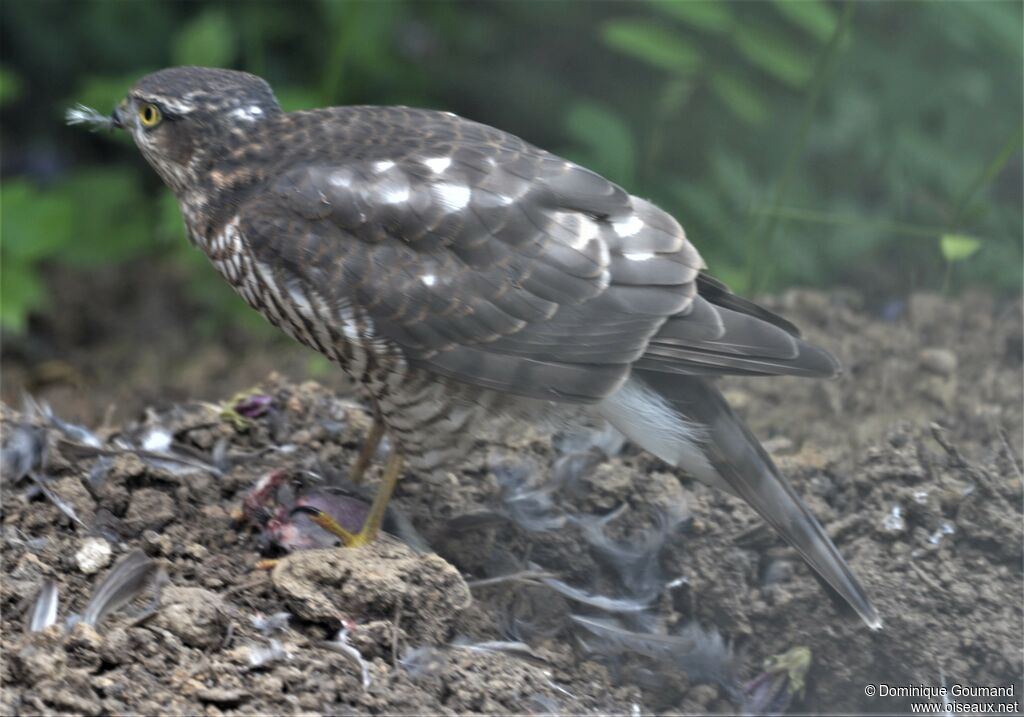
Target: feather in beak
x=80, y=114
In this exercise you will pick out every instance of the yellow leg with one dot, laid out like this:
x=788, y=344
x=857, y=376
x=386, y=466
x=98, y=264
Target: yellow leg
x=371, y=526
x=368, y=450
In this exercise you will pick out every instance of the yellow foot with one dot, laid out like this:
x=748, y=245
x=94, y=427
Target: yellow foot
x=350, y=539
x=374, y=519
x=266, y=564
x=229, y=411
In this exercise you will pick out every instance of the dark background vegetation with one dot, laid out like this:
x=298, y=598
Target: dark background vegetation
x=871, y=145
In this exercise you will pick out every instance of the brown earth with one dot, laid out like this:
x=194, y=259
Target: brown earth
x=910, y=460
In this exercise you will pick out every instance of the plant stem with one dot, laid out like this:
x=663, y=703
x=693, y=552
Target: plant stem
x=809, y=215
x=758, y=269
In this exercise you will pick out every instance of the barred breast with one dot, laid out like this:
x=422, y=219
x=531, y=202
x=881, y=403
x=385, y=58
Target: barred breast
x=435, y=420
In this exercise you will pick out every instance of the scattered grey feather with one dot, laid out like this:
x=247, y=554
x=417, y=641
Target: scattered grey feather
x=74, y=432
x=636, y=563
x=702, y=654
x=422, y=662
x=529, y=507
x=270, y=624
x=18, y=539
x=62, y=505
x=24, y=451
x=44, y=610
x=157, y=440
x=98, y=472
x=710, y=660
x=219, y=455
x=519, y=649
x=262, y=656
x=80, y=114
x=530, y=577
x=601, y=602
x=567, y=471
x=168, y=462
x=341, y=646
x=543, y=705
x=608, y=440
x=617, y=639
x=126, y=580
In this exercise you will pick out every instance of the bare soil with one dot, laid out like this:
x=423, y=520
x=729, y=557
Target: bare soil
x=910, y=460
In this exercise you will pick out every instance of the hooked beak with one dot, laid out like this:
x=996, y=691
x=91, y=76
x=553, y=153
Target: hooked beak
x=116, y=118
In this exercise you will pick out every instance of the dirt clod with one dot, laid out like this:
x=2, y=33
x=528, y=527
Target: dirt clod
x=328, y=586
x=194, y=615
x=149, y=509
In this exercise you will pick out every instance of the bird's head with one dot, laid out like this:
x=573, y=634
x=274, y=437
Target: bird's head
x=184, y=116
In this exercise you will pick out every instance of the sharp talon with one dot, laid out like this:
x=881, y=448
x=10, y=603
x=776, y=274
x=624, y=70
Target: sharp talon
x=266, y=564
x=330, y=525
x=371, y=526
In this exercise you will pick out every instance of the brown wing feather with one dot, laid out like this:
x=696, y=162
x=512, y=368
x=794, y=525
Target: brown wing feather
x=483, y=258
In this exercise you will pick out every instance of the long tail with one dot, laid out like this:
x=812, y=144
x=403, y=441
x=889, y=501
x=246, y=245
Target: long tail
x=686, y=422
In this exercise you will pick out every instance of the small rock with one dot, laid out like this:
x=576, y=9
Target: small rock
x=777, y=445
x=93, y=555
x=703, y=695
x=83, y=646
x=737, y=398
x=74, y=698
x=115, y=647
x=370, y=582
x=196, y=551
x=941, y=362
x=41, y=656
x=156, y=544
x=940, y=390
x=194, y=615
x=149, y=509
x=222, y=696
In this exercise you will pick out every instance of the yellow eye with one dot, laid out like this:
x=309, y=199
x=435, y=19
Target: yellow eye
x=149, y=115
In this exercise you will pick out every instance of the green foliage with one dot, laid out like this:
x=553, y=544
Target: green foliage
x=798, y=141
x=606, y=140
x=652, y=43
x=10, y=85
x=67, y=224
x=206, y=40
x=957, y=247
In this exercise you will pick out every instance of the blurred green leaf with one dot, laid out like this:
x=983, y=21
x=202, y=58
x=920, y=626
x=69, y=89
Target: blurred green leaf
x=112, y=219
x=957, y=247
x=208, y=40
x=293, y=99
x=815, y=17
x=607, y=138
x=34, y=224
x=10, y=85
x=652, y=43
x=21, y=291
x=709, y=15
x=774, y=55
x=740, y=97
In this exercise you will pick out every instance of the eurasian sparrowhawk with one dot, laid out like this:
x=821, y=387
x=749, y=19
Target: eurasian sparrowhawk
x=454, y=270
